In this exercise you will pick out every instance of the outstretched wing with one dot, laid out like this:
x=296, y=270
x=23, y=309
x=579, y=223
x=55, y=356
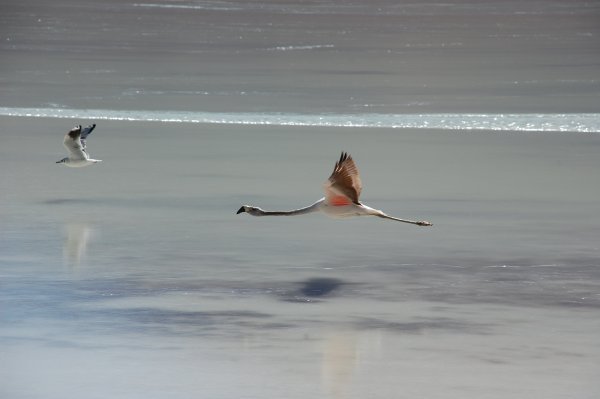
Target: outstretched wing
x=72, y=143
x=86, y=132
x=344, y=185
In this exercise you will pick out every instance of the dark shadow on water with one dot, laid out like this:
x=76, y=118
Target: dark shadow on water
x=319, y=287
x=62, y=201
x=184, y=323
x=313, y=290
x=422, y=325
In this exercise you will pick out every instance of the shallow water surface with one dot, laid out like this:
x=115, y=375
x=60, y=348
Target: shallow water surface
x=134, y=278
x=140, y=267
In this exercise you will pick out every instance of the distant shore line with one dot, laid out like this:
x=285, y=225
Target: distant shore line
x=578, y=123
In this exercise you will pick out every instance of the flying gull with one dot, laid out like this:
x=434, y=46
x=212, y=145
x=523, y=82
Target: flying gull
x=75, y=142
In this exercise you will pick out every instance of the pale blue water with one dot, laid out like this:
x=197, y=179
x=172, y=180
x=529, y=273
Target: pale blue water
x=140, y=267
x=134, y=278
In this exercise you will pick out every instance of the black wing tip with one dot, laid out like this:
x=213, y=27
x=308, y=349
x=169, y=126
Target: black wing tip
x=344, y=157
x=339, y=163
x=242, y=209
x=86, y=132
x=75, y=132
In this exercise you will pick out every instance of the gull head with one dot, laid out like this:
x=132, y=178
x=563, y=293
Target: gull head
x=249, y=209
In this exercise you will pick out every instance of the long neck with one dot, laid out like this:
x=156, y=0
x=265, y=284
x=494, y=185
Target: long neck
x=312, y=208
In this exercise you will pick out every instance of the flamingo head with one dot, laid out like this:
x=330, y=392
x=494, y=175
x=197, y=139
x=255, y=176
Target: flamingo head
x=255, y=211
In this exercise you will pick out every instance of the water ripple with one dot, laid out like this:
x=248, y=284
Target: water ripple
x=581, y=123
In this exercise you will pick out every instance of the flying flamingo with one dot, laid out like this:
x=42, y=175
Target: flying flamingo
x=342, y=190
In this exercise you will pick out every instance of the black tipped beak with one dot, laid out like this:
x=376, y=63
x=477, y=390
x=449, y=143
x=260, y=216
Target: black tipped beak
x=242, y=209
x=58, y=162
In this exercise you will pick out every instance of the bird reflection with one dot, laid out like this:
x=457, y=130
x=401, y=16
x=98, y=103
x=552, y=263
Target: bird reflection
x=78, y=236
x=340, y=358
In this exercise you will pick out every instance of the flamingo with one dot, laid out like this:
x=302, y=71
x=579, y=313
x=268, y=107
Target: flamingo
x=74, y=142
x=342, y=191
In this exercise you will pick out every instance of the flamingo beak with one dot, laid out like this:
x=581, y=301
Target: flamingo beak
x=242, y=209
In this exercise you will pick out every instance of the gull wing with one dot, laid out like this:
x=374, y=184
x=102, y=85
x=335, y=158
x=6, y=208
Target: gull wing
x=84, y=133
x=72, y=143
x=343, y=186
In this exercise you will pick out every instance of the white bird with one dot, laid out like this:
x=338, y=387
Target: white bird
x=75, y=142
x=342, y=190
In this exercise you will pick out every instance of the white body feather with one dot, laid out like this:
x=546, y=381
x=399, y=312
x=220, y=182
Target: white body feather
x=75, y=143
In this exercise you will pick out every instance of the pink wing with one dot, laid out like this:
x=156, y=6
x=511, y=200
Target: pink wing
x=343, y=186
